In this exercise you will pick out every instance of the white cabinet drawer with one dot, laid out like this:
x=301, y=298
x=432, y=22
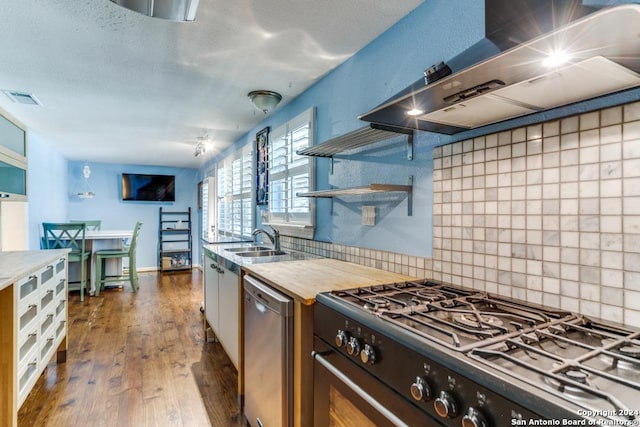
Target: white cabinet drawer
x=27, y=342
x=59, y=266
x=61, y=309
x=61, y=330
x=27, y=375
x=27, y=286
x=28, y=313
x=47, y=299
x=47, y=320
x=47, y=347
x=61, y=287
x=47, y=275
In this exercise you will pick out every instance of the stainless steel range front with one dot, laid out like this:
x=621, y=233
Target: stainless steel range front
x=425, y=353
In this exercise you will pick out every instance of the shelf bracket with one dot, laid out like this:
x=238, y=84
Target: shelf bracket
x=410, y=196
x=408, y=132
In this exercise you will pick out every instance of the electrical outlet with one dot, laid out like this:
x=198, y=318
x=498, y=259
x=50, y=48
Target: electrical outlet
x=368, y=215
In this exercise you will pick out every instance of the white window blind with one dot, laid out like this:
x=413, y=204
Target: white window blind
x=235, y=201
x=290, y=173
x=208, y=209
x=205, y=209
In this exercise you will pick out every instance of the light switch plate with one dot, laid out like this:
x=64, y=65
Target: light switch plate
x=368, y=215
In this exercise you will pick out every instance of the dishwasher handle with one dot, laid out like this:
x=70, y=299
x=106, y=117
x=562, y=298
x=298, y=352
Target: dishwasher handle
x=267, y=296
x=260, y=307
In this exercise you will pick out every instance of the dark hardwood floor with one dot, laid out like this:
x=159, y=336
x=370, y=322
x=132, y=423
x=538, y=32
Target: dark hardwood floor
x=138, y=359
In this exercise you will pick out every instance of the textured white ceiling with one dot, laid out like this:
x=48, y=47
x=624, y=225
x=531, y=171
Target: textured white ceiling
x=120, y=87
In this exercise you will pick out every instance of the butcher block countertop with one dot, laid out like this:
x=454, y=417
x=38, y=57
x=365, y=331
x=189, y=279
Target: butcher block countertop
x=303, y=280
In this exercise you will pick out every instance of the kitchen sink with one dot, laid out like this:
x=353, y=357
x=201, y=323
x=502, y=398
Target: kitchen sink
x=248, y=249
x=260, y=253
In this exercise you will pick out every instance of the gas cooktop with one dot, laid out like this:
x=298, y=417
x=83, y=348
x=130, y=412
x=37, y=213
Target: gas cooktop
x=592, y=365
x=457, y=318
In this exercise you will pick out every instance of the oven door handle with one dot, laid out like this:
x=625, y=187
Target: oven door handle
x=359, y=391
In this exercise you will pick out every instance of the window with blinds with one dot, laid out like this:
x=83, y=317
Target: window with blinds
x=290, y=173
x=234, y=195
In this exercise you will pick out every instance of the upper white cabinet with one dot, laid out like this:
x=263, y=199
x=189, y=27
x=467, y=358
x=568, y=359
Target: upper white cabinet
x=13, y=161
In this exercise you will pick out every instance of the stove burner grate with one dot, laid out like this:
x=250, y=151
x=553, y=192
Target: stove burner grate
x=477, y=320
x=398, y=296
x=578, y=361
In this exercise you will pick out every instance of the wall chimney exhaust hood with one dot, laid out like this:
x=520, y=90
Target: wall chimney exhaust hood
x=596, y=55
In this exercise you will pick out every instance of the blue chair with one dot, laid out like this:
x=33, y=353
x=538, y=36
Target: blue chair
x=71, y=236
x=128, y=251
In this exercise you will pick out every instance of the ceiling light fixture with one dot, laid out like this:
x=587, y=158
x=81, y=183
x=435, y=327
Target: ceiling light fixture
x=264, y=100
x=173, y=10
x=202, y=145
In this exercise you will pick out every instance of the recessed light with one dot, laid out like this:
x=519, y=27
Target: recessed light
x=415, y=112
x=555, y=59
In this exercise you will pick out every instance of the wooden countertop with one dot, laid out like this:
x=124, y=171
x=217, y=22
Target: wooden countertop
x=303, y=280
x=17, y=264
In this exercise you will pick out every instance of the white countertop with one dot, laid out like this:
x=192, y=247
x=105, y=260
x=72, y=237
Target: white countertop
x=17, y=264
x=108, y=234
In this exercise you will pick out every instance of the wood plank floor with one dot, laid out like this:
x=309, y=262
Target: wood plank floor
x=138, y=359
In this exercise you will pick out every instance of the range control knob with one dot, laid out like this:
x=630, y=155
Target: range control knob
x=474, y=418
x=420, y=390
x=341, y=338
x=368, y=355
x=445, y=405
x=353, y=346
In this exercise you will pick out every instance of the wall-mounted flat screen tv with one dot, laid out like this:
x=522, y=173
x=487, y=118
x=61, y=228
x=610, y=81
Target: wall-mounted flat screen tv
x=149, y=188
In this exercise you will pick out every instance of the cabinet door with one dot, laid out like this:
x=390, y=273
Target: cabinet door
x=13, y=225
x=211, y=294
x=229, y=313
x=13, y=161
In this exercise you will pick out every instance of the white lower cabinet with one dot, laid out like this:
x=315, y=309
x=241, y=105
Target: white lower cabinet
x=33, y=326
x=228, y=292
x=222, y=306
x=211, y=294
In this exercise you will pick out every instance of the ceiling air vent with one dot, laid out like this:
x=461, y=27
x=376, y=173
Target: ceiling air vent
x=22, y=97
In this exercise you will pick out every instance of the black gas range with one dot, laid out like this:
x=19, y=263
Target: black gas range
x=426, y=353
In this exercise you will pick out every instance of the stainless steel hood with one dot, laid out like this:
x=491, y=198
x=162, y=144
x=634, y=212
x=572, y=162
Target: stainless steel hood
x=601, y=54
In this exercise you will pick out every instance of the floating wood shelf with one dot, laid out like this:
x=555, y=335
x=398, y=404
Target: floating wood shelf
x=359, y=138
x=367, y=189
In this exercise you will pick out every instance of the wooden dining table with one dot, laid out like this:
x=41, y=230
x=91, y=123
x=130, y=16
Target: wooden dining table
x=96, y=240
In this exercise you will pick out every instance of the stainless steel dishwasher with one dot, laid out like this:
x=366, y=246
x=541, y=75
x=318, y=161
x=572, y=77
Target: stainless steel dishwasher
x=268, y=355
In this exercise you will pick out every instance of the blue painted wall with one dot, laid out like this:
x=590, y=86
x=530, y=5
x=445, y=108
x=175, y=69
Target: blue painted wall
x=437, y=30
x=107, y=205
x=46, y=180
x=54, y=181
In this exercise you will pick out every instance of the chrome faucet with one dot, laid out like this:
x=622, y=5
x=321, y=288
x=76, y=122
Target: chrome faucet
x=273, y=238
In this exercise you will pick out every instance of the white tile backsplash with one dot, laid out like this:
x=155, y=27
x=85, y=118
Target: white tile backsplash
x=579, y=235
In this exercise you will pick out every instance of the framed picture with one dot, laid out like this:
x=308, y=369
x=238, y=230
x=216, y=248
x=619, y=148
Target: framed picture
x=262, y=174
